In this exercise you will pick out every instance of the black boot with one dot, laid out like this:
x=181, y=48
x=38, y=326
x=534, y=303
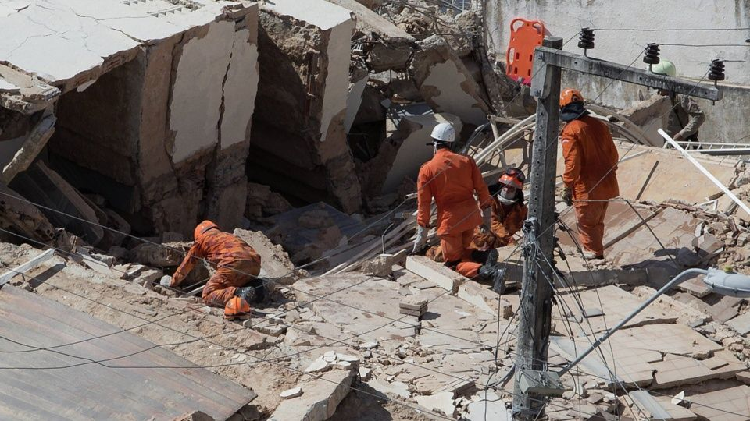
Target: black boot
x=498, y=281
x=494, y=275
x=485, y=257
x=247, y=293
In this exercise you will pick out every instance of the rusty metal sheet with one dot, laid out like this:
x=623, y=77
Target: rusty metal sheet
x=81, y=381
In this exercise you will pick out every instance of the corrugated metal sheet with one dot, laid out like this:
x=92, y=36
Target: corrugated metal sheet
x=55, y=386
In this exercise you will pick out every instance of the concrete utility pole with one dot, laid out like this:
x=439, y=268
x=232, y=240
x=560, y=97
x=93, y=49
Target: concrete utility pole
x=536, y=294
x=533, y=382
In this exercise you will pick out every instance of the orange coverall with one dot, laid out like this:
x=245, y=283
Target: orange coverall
x=236, y=265
x=451, y=179
x=590, y=172
x=506, y=221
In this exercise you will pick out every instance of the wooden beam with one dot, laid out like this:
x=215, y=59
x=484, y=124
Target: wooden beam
x=591, y=66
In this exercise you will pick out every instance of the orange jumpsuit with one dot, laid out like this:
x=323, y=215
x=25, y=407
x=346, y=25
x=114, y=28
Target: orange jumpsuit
x=236, y=265
x=506, y=221
x=590, y=173
x=452, y=179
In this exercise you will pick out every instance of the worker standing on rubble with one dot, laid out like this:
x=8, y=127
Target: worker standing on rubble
x=685, y=116
x=508, y=211
x=590, y=170
x=235, y=282
x=451, y=179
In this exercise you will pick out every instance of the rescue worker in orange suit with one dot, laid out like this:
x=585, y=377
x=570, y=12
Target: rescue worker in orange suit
x=451, y=179
x=235, y=283
x=508, y=211
x=590, y=175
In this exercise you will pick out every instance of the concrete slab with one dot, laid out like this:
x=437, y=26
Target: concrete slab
x=38, y=38
x=741, y=323
x=676, y=370
x=435, y=272
x=371, y=311
x=319, y=398
x=727, y=404
x=627, y=302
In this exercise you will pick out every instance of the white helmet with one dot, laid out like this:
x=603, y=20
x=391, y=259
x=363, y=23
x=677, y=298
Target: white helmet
x=444, y=132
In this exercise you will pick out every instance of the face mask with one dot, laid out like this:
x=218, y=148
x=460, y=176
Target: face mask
x=507, y=195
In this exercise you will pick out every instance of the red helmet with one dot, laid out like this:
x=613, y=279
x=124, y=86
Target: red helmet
x=513, y=177
x=569, y=96
x=203, y=227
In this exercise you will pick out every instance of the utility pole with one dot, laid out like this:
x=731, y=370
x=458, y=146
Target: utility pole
x=533, y=382
x=536, y=292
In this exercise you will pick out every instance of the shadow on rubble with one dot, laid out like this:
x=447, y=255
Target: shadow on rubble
x=363, y=404
x=46, y=275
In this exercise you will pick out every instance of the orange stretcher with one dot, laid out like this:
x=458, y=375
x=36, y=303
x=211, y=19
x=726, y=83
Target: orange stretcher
x=525, y=36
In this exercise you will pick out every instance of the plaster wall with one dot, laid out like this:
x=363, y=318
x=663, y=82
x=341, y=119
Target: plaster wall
x=198, y=91
x=414, y=152
x=353, y=101
x=337, y=79
x=239, y=90
x=445, y=84
x=726, y=120
x=663, y=22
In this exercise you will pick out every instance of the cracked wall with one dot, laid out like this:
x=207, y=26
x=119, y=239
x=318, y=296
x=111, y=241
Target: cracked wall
x=166, y=135
x=299, y=142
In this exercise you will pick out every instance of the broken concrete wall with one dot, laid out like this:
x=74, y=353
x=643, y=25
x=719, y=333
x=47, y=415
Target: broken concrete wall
x=299, y=139
x=41, y=185
x=170, y=128
x=725, y=119
x=446, y=84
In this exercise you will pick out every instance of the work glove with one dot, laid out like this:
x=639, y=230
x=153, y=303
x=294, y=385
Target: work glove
x=486, y=220
x=165, y=281
x=567, y=196
x=420, y=241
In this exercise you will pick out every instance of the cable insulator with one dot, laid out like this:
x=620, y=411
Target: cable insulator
x=651, y=56
x=586, y=39
x=717, y=70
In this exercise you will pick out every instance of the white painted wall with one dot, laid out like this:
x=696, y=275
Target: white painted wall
x=414, y=152
x=197, y=92
x=337, y=80
x=239, y=90
x=658, y=18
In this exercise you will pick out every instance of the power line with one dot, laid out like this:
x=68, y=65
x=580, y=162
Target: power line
x=670, y=29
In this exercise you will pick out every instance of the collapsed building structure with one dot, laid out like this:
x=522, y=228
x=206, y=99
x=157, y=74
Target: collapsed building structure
x=154, y=115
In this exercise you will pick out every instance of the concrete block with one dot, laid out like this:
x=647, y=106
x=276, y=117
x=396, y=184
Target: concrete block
x=741, y=323
x=441, y=402
x=696, y=287
x=299, y=138
x=445, y=82
x=320, y=399
x=483, y=298
x=435, y=272
x=291, y=393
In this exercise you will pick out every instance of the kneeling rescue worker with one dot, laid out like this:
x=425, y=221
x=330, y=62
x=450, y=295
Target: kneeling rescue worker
x=451, y=179
x=235, y=282
x=590, y=175
x=508, y=211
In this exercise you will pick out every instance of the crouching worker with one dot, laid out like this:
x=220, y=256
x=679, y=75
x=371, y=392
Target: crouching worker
x=235, y=283
x=452, y=179
x=508, y=212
